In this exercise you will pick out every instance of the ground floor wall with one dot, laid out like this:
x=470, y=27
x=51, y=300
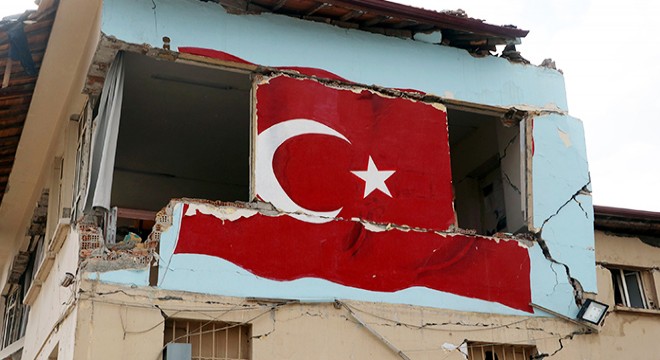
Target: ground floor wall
x=52, y=320
x=110, y=329
x=94, y=318
x=130, y=323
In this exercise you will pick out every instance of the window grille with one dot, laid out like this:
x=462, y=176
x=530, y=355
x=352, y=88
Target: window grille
x=490, y=351
x=15, y=319
x=210, y=340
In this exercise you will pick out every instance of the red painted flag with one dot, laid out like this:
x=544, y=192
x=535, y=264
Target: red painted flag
x=351, y=153
x=345, y=252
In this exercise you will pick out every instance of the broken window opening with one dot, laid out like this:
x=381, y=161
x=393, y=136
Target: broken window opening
x=491, y=351
x=633, y=288
x=184, y=132
x=206, y=340
x=487, y=172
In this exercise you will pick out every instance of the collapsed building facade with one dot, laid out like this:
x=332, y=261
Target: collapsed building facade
x=289, y=179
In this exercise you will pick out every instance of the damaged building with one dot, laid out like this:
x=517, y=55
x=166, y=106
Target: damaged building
x=295, y=179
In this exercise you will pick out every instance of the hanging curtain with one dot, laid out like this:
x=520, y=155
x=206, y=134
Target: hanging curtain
x=104, y=139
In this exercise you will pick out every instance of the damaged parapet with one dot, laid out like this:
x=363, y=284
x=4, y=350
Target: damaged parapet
x=132, y=252
x=254, y=250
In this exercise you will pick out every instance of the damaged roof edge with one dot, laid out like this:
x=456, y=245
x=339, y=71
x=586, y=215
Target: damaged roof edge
x=630, y=214
x=627, y=221
x=440, y=18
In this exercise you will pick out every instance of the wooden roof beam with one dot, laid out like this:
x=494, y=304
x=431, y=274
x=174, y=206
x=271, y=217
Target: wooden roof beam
x=278, y=5
x=317, y=8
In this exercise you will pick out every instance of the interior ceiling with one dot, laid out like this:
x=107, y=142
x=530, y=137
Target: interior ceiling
x=463, y=123
x=184, y=122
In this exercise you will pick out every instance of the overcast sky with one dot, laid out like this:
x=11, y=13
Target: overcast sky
x=611, y=63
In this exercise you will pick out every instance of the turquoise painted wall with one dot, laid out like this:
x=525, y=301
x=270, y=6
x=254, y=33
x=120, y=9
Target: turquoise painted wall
x=561, y=185
x=276, y=40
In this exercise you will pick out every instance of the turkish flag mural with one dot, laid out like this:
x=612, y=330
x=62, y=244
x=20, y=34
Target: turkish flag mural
x=333, y=158
x=352, y=153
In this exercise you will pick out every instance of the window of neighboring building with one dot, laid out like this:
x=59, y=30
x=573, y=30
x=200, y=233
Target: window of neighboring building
x=630, y=290
x=487, y=173
x=490, y=351
x=209, y=340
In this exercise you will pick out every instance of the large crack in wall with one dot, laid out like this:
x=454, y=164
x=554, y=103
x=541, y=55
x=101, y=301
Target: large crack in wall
x=538, y=234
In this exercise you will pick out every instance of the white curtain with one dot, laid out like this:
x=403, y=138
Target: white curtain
x=104, y=139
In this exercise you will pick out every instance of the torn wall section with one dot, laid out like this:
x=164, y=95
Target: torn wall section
x=356, y=55
x=129, y=261
x=253, y=253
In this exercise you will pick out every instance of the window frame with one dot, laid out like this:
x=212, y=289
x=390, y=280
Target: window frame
x=519, y=144
x=477, y=350
x=622, y=286
x=15, y=317
x=194, y=331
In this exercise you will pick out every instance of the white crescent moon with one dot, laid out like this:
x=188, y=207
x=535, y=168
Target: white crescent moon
x=267, y=186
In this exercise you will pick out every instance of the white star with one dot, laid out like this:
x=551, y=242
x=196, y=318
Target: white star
x=374, y=179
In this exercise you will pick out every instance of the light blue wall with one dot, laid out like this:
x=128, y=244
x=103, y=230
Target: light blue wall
x=132, y=277
x=367, y=58
x=565, y=213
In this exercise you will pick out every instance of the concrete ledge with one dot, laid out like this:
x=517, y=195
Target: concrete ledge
x=625, y=309
x=13, y=348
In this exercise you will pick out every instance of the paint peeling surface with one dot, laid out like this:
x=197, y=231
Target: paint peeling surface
x=562, y=207
x=352, y=153
x=359, y=56
x=283, y=248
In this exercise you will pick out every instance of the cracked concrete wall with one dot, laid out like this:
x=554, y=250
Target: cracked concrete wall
x=511, y=152
x=622, y=250
x=52, y=318
x=133, y=321
x=128, y=322
x=275, y=40
x=181, y=266
x=561, y=262
x=561, y=205
x=112, y=330
x=115, y=321
x=562, y=213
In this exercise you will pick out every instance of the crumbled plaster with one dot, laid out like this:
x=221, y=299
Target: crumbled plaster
x=232, y=211
x=434, y=37
x=565, y=137
x=97, y=256
x=462, y=347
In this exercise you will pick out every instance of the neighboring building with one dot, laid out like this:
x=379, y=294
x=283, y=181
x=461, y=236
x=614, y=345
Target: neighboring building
x=628, y=258
x=292, y=179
